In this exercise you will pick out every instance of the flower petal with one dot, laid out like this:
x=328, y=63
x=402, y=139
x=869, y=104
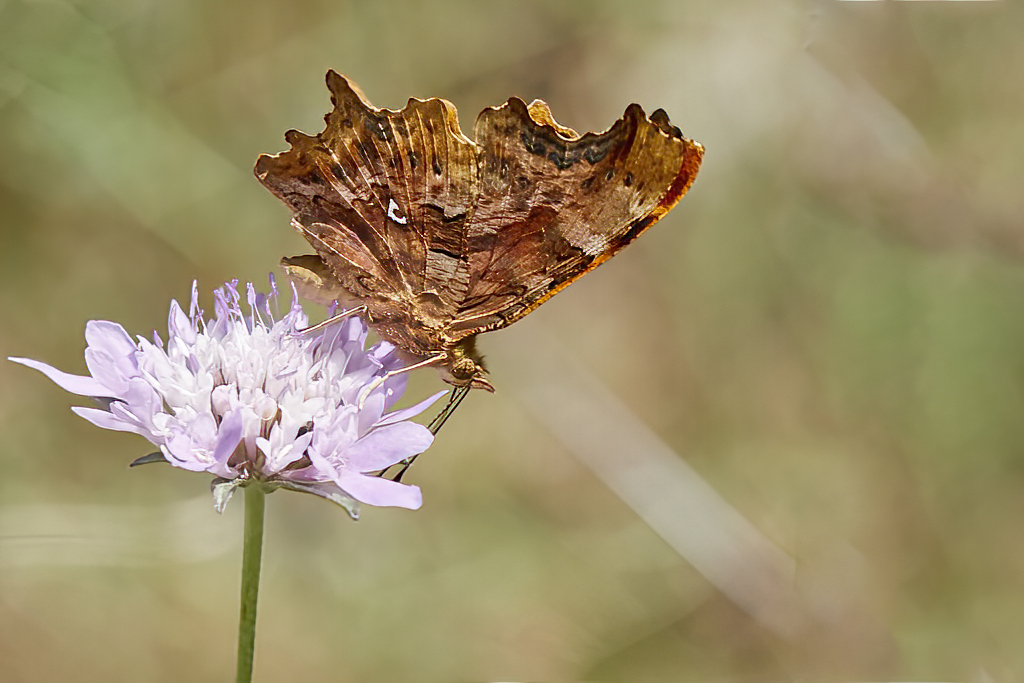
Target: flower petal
x=179, y=452
x=76, y=384
x=108, y=337
x=298, y=450
x=179, y=325
x=378, y=491
x=387, y=445
x=229, y=434
x=107, y=370
x=370, y=410
x=411, y=411
x=394, y=388
x=102, y=418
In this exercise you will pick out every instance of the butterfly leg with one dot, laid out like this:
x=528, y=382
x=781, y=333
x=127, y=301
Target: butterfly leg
x=457, y=395
x=454, y=400
x=358, y=310
x=388, y=375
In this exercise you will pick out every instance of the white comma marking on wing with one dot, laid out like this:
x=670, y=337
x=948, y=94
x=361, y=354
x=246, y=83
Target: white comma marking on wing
x=393, y=213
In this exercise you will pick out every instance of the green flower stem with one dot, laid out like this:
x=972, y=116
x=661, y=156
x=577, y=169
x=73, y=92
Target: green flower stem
x=255, y=499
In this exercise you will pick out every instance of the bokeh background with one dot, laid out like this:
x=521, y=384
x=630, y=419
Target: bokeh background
x=780, y=437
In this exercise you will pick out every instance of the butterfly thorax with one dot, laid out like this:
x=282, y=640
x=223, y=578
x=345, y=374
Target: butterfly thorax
x=423, y=340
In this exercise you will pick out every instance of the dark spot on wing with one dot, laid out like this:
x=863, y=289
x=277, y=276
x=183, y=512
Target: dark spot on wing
x=367, y=282
x=545, y=141
x=562, y=278
x=610, y=174
x=677, y=188
x=446, y=252
x=597, y=151
x=531, y=143
x=561, y=160
x=380, y=127
x=628, y=179
x=437, y=168
x=634, y=230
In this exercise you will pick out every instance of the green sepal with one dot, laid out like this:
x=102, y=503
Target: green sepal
x=322, y=490
x=146, y=459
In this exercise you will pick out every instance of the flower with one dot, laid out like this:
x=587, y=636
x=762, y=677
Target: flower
x=248, y=398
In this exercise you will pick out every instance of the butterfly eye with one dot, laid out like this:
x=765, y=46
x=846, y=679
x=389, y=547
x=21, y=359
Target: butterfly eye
x=464, y=369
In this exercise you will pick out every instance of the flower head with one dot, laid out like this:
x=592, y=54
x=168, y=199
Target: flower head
x=249, y=398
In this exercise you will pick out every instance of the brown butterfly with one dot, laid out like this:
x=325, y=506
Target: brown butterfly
x=438, y=238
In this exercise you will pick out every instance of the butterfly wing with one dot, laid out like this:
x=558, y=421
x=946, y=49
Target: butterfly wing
x=442, y=238
x=383, y=197
x=552, y=205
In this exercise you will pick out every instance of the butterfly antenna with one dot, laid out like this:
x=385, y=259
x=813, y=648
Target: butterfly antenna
x=456, y=398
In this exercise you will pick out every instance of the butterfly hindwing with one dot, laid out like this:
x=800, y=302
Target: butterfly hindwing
x=552, y=204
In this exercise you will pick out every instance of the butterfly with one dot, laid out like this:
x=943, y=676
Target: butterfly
x=437, y=238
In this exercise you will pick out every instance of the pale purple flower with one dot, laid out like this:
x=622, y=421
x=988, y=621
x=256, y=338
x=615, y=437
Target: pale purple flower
x=245, y=397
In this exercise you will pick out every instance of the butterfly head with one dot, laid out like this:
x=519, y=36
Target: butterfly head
x=464, y=366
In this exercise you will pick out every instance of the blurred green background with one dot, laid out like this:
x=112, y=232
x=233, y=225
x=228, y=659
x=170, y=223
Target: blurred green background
x=829, y=330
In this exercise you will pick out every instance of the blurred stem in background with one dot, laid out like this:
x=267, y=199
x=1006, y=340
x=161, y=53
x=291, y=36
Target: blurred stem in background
x=252, y=551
